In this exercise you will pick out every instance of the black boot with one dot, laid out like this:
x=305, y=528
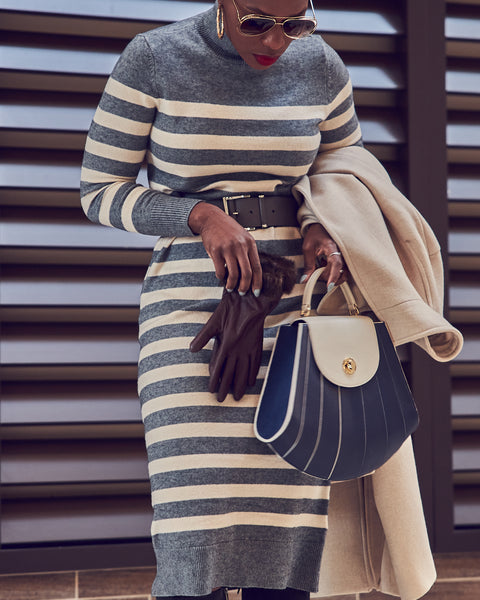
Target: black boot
x=220, y=594
x=263, y=594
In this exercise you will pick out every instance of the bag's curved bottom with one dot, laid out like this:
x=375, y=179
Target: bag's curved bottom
x=326, y=430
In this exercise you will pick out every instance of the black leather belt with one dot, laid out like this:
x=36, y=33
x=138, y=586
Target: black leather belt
x=258, y=211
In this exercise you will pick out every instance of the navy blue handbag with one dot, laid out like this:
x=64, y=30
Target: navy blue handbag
x=335, y=402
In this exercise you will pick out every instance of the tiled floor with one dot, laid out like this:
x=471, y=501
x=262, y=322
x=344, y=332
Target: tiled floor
x=114, y=584
x=458, y=579
x=43, y=586
x=133, y=582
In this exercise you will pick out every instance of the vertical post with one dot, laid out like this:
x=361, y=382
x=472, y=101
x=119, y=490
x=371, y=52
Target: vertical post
x=427, y=179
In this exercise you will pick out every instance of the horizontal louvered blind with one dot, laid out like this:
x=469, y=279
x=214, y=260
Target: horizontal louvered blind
x=73, y=465
x=73, y=468
x=463, y=139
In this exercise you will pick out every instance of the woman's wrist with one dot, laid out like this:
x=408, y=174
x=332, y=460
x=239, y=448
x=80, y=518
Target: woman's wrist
x=306, y=224
x=200, y=214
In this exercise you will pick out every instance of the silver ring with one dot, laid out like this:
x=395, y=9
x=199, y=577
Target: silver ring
x=335, y=254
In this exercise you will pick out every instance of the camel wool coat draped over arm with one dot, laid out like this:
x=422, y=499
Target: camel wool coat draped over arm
x=377, y=537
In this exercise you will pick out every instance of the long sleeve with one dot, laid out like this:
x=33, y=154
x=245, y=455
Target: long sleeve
x=341, y=127
x=163, y=105
x=117, y=144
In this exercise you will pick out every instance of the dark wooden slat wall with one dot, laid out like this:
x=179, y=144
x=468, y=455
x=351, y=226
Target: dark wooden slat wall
x=73, y=468
x=426, y=160
x=463, y=145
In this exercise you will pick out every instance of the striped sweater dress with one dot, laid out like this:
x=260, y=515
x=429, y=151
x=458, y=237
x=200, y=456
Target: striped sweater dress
x=227, y=512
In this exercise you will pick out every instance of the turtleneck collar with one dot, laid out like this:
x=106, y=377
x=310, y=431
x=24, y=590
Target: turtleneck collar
x=207, y=26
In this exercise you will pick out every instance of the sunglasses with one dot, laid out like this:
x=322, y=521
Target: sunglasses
x=293, y=27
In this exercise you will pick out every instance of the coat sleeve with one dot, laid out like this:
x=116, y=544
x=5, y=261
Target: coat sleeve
x=116, y=147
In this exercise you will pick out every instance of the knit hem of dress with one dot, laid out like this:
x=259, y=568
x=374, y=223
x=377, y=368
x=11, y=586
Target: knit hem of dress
x=195, y=571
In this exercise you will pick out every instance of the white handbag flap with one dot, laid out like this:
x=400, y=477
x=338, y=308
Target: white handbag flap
x=345, y=348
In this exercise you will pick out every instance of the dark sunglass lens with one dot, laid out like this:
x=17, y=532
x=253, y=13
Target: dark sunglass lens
x=256, y=26
x=298, y=28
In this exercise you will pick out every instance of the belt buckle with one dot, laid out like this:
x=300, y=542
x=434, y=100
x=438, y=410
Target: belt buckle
x=235, y=212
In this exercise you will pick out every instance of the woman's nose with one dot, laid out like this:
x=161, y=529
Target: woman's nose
x=275, y=39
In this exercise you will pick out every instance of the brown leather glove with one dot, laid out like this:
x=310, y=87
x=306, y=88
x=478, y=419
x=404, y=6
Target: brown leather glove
x=237, y=326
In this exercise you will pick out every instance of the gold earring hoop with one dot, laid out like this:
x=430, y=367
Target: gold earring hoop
x=220, y=22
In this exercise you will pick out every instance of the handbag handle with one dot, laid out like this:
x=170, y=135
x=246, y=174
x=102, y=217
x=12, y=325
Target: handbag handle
x=308, y=292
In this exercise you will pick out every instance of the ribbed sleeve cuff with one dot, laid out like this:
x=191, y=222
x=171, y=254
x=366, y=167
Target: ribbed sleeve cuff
x=169, y=216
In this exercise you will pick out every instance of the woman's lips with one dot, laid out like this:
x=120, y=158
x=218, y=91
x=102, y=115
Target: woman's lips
x=265, y=60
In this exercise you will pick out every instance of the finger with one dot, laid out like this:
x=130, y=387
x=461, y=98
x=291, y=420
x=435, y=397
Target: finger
x=335, y=264
x=241, y=377
x=257, y=275
x=333, y=276
x=219, y=265
x=311, y=249
x=310, y=263
x=215, y=367
x=222, y=393
x=233, y=273
x=245, y=273
x=208, y=331
x=226, y=380
x=343, y=275
x=215, y=353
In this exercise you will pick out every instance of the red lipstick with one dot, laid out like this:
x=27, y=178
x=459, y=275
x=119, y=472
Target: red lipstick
x=265, y=60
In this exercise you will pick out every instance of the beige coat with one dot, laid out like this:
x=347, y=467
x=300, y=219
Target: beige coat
x=377, y=537
x=391, y=252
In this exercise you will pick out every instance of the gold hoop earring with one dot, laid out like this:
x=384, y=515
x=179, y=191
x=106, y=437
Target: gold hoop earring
x=220, y=22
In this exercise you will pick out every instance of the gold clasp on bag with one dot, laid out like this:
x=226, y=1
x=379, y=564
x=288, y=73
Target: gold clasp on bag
x=354, y=310
x=349, y=366
x=305, y=310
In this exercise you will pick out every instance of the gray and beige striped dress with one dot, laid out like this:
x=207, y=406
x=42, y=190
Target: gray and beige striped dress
x=227, y=512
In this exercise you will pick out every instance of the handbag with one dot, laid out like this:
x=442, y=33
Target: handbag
x=335, y=402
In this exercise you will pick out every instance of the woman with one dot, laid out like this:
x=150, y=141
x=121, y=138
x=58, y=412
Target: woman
x=239, y=100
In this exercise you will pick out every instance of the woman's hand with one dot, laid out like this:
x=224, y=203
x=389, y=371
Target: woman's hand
x=230, y=246
x=317, y=243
